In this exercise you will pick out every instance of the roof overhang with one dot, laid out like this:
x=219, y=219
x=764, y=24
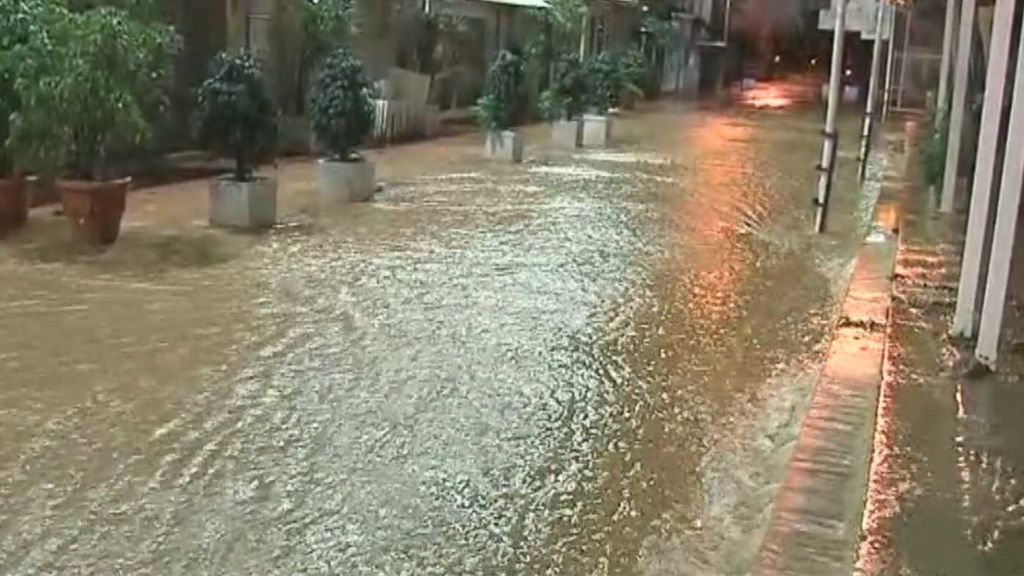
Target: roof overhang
x=521, y=3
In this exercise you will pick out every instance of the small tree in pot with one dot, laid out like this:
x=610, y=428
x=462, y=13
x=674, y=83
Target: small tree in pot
x=632, y=67
x=499, y=109
x=235, y=116
x=563, y=102
x=18, y=19
x=89, y=86
x=604, y=83
x=342, y=115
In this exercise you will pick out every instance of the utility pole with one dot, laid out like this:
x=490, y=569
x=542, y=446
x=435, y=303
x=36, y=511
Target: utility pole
x=942, y=100
x=890, y=64
x=869, y=112
x=826, y=168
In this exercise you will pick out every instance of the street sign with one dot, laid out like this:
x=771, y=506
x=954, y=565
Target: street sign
x=860, y=17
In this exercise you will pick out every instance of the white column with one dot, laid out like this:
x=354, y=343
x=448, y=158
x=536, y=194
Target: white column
x=942, y=101
x=890, y=63
x=956, y=113
x=828, y=152
x=869, y=111
x=908, y=23
x=1006, y=227
x=981, y=190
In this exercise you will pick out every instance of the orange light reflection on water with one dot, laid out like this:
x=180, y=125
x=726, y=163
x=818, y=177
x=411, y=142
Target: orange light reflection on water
x=713, y=215
x=768, y=96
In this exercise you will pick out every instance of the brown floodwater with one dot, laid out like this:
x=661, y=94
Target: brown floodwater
x=591, y=363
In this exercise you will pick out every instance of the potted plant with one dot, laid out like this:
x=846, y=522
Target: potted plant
x=632, y=66
x=235, y=116
x=563, y=103
x=498, y=110
x=321, y=26
x=342, y=116
x=15, y=17
x=89, y=88
x=604, y=81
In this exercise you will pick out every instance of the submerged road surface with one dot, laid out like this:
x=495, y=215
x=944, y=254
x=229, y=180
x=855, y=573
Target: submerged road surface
x=588, y=364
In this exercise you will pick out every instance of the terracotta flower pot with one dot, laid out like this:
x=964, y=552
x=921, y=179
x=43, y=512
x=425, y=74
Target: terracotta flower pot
x=13, y=204
x=94, y=209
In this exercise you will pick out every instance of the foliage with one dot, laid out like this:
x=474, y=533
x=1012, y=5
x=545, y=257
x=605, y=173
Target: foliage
x=326, y=25
x=441, y=39
x=633, y=68
x=20, y=21
x=661, y=28
x=90, y=85
x=340, y=105
x=147, y=10
x=234, y=113
x=604, y=82
x=566, y=16
x=933, y=153
x=566, y=96
x=501, y=105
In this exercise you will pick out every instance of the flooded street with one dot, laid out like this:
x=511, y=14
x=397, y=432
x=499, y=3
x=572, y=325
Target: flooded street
x=587, y=364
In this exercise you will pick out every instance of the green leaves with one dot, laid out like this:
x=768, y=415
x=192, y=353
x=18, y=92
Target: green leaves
x=326, y=24
x=340, y=104
x=89, y=84
x=933, y=152
x=502, y=103
x=21, y=21
x=234, y=114
x=571, y=85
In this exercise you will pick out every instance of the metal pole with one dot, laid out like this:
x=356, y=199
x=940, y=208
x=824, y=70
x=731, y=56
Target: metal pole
x=728, y=18
x=956, y=113
x=1006, y=227
x=869, y=112
x=890, y=63
x=942, y=100
x=981, y=190
x=831, y=144
x=906, y=51
x=584, y=31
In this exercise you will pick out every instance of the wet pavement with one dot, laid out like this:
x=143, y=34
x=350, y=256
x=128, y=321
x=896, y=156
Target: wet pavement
x=946, y=494
x=591, y=363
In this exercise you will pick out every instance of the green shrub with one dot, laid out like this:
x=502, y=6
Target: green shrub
x=933, y=153
x=566, y=97
x=90, y=84
x=604, y=82
x=325, y=25
x=20, y=20
x=340, y=105
x=501, y=106
x=234, y=114
x=633, y=72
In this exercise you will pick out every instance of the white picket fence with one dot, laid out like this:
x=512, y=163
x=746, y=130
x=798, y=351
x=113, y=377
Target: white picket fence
x=398, y=120
x=402, y=112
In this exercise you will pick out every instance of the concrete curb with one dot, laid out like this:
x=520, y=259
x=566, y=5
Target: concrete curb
x=816, y=517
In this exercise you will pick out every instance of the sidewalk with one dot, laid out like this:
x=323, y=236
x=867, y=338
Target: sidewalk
x=944, y=494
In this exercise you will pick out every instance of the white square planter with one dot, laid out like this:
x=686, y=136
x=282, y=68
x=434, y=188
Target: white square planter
x=505, y=145
x=346, y=182
x=597, y=131
x=250, y=204
x=567, y=134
